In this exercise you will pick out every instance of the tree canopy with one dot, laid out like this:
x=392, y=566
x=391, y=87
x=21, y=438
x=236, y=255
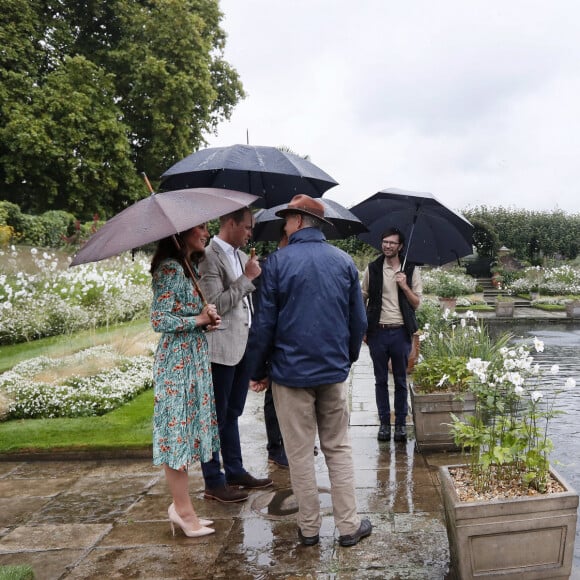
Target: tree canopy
x=94, y=93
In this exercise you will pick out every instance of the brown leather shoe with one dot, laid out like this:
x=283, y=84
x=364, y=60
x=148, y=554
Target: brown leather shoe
x=250, y=482
x=225, y=494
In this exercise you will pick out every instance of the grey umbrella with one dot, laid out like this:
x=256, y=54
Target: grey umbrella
x=275, y=176
x=159, y=216
x=268, y=225
x=435, y=234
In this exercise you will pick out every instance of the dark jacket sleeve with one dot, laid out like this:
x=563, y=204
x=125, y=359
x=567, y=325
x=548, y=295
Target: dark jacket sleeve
x=263, y=329
x=358, y=318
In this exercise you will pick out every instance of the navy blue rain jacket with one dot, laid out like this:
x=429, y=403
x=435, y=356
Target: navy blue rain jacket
x=311, y=317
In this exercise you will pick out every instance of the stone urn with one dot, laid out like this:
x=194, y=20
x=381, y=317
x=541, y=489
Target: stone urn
x=529, y=537
x=504, y=308
x=448, y=303
x=573, y=309
x=432, y=417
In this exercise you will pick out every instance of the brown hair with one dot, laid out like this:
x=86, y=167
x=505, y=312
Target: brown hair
x=167, y=248
x=238, y=215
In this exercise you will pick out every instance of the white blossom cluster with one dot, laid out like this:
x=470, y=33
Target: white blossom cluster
x=75, y=396
x=442, y=282
x=51, y=299
x=516, y=371
x=561, y=280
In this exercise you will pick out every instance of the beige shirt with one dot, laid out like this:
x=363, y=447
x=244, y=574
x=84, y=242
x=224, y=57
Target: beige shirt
x=390, y=311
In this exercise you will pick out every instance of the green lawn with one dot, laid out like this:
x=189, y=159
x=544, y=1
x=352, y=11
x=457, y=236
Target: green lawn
x=23, y=572
x=63, y=345
x=128, y=427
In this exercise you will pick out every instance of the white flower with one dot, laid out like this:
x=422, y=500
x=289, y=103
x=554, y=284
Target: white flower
x=518, y=390
x=554, y=369
x=538, y=345
x=514, y=378
x=33, y=251
x=463, y=323
x=570, y=383
x=536, y=396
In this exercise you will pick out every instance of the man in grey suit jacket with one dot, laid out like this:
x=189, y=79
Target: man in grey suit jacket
x=226, y=281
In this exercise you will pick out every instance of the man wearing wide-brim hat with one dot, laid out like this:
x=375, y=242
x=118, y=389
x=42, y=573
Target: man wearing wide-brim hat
x=309, y=329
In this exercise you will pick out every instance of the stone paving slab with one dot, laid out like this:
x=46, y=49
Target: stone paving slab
x=107, y=518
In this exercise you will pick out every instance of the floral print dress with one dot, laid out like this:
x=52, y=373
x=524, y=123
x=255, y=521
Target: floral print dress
x=184, y=420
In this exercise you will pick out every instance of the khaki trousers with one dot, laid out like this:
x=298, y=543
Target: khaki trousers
x=300, y=411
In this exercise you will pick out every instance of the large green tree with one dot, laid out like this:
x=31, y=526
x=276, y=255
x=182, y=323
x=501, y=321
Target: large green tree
x=94, y=93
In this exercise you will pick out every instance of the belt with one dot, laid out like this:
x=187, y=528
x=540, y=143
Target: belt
x=389, y=326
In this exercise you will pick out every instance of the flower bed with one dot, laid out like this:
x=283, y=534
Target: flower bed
x=30, y=393
x=560, y=280
x=49, y=299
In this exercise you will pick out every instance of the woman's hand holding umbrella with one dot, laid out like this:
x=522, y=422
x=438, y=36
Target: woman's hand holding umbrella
x=209, y=317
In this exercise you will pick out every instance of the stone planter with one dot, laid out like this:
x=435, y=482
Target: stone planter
x=529, y=538
x=449, y=303
x=432, y=417
x=504, y=309
x=573, y=309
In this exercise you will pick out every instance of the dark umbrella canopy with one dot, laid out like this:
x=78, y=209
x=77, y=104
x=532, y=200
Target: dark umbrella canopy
x=434, y=233
x=268, y=225
x=159, y=216
x=273, y=175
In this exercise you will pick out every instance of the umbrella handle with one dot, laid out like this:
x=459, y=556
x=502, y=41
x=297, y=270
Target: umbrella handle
x=186, y=263
x=189, y=269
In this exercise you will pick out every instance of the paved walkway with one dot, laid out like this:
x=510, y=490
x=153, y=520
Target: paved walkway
x=107, y=518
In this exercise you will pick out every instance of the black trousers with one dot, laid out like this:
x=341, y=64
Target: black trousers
x=275, y=443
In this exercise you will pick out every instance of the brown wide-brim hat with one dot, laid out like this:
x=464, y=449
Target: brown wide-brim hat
x=304, y=204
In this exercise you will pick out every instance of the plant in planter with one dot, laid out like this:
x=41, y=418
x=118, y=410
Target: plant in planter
x=447, y=285
x=441, y=379
x=438, y=390
x=509, y=514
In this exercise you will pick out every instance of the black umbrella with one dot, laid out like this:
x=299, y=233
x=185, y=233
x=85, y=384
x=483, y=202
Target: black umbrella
x=434, y=233
x=276, y=176
x=268, y=225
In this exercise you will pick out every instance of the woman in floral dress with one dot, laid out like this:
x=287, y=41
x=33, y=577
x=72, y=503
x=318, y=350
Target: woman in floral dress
x=184, y=422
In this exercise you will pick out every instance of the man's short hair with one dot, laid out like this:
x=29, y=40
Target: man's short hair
x=311, y=221
x=394, y=232
x=238, y=216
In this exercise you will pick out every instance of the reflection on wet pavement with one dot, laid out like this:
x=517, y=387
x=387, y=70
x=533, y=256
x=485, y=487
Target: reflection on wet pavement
x=107, y=519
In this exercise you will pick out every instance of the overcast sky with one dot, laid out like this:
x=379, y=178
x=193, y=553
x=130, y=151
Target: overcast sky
x=477, y=102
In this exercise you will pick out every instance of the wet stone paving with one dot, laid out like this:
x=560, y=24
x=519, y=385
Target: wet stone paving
x=85, y=518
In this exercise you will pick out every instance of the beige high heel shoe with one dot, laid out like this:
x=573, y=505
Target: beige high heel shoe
x=175, y=519
x=201, y=521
